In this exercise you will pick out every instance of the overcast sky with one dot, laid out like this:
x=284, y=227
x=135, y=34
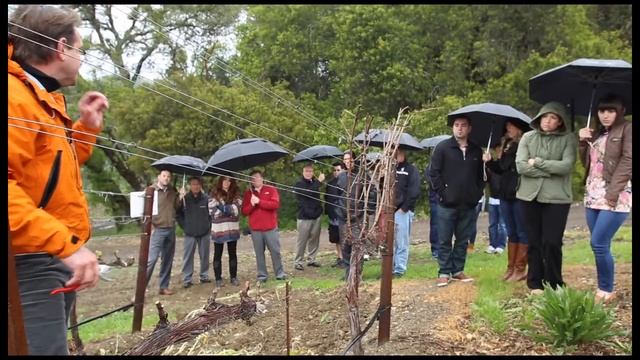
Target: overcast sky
x=154, y=66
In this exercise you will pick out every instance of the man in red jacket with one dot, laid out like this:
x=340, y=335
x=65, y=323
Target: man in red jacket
x=260, y=204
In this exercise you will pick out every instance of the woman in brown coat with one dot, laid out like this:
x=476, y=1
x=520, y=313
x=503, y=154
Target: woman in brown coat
x=606, y=155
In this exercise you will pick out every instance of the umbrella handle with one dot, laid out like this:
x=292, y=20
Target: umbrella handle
x=593, y=93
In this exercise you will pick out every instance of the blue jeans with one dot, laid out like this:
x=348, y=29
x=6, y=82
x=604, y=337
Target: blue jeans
x=474, y=228
x=433, y=227
x=401, y=244
x=603, y=224
x=511, y=210
x=497, y=227
x=450, y=221
x=163, y=246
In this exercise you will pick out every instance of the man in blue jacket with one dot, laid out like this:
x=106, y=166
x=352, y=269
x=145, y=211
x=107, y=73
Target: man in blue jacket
x=406, y=193
x=456, y=175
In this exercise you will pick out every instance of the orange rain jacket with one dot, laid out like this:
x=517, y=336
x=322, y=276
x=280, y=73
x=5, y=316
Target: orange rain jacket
x=47, y=208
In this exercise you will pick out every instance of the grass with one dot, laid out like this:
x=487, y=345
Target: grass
x=114, y=324
x=495, y=306
x=489, y=306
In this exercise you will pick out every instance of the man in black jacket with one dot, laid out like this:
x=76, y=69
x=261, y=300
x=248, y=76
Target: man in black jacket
x=332, y=202
x=309, y=211
x=406, y=193
x=193, y=217
x=456, y=175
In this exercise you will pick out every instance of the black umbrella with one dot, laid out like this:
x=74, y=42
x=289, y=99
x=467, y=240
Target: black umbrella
x=374, y=156
x=318, y=152
x=181, y=164
x=244, y=154
x=378, y=138
x=487, y=121
x=581, y=81
x=433, y=141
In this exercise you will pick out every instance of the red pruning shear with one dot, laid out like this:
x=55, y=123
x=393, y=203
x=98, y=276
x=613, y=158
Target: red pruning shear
x=64, y=289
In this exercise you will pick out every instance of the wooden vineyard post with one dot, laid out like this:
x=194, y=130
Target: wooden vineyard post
x=143, y=256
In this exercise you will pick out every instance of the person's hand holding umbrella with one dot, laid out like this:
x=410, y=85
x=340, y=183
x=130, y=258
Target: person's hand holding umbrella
x=182, y=192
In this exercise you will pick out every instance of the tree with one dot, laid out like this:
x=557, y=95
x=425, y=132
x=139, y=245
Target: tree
x=151, y=30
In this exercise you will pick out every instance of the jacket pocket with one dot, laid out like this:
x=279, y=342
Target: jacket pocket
x=52, y=182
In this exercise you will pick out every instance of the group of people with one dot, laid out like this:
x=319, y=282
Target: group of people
x=48, y=213
x=213, y=217
x=534, y=192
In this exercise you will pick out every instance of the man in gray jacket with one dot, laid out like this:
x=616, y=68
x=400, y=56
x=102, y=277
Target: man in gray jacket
x=193, y=217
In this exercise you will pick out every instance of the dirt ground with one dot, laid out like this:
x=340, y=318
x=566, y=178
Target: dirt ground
x=425, y=319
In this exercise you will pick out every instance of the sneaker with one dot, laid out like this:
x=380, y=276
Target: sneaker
x=490, y=250
x=461, y=277
x=397, y=275
x=337, y=263
x=314, y=264
x=219, y=283
x=235, y=282
x=470, y=248
x=165, y=292
x=499, y=251
x=187, y=285
x=205, y=281
x=283, y=277
x=442, y=281
x=299, y=267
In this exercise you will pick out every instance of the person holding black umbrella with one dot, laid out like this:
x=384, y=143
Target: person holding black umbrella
x=545, y=160
x=193, y=217
x=505, y=165
x=456, y=175
x=606, y=155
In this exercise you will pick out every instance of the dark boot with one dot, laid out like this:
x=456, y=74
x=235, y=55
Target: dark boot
x=520, y=272
x=512, y=249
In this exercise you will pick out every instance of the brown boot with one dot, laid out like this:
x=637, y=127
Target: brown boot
x=520, y=272
x=512, y=248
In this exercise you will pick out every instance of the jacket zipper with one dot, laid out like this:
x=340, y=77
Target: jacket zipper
x=52, y=182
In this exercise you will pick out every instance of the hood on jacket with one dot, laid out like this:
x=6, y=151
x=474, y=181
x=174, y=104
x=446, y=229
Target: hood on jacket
x=556, y=108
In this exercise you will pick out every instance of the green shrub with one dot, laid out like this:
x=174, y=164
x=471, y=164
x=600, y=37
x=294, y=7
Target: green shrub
x=571, y=317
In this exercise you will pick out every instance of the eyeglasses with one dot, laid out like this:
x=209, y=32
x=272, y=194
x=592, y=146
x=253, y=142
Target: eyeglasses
x=81, y=51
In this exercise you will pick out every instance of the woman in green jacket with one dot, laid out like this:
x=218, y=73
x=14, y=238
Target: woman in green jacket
x=545, y=160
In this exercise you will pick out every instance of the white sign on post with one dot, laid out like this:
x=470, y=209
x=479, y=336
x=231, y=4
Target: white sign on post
x=137, y=203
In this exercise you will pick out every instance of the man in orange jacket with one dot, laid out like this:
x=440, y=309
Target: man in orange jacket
x=48, y=213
